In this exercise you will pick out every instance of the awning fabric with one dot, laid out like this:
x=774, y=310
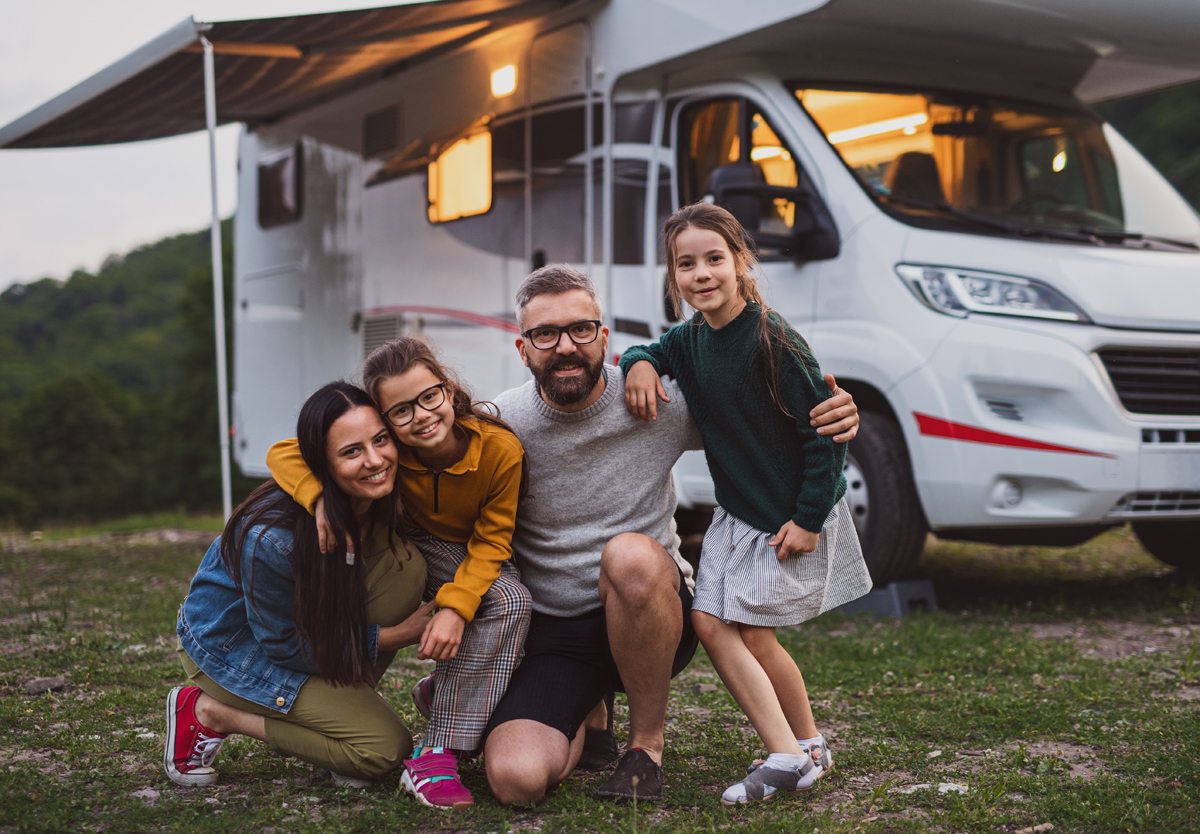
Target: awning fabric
x=265, y=69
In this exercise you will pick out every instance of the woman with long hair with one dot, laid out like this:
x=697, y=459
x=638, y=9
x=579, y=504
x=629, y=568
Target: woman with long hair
x=284, y=644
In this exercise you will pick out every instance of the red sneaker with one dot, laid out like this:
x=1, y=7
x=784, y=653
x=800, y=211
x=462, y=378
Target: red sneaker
x=422, y=695
x=432, y=777
x=189, y=748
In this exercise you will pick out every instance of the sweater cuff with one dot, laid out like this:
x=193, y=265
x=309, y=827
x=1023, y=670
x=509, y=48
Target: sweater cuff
x=634, y=355
x=458, y=599
x=811, y=518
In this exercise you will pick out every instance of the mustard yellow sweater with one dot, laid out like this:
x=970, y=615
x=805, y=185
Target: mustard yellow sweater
x=474, y=502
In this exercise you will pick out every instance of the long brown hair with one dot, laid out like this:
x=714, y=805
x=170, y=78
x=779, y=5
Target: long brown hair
x=330, y=600
x=772, y=334
x=401, y=355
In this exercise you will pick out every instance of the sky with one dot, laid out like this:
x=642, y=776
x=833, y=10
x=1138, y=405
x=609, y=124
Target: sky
x=65, y=209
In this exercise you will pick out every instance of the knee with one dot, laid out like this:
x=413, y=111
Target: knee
x=513, y=781
x=510, y=601
x=706, y=626
x=380, y=756
x=760, y=642
x=637, y=566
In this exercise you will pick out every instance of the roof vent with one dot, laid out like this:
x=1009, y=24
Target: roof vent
x=381, y=132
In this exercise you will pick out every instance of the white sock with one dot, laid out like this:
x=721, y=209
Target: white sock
x=784, y=761
x=817, y=739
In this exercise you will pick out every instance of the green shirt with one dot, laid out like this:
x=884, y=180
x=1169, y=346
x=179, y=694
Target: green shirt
x=767, y=467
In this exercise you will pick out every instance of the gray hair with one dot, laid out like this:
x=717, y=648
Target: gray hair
x=554, y=279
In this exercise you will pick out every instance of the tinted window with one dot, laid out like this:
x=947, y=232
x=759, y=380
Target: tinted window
x=280, y=187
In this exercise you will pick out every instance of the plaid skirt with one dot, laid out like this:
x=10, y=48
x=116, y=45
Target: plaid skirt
x=741, y=581
x=470, y=685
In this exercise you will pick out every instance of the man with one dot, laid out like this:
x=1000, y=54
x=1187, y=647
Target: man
x=597, y=548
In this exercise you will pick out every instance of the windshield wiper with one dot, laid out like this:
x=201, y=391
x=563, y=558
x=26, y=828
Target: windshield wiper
x=1122, y=236
x=1084, y=236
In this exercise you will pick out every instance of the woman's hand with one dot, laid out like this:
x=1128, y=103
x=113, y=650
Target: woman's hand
x=442, y=635
x=838, y=415
x=792, y=539
x=393, y=638
x=643, y=389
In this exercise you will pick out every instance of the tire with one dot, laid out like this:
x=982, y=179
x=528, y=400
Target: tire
x=883, y=499
x=1175, y=542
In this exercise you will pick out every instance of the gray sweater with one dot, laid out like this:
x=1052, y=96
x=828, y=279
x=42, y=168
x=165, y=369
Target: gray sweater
x=593, y=474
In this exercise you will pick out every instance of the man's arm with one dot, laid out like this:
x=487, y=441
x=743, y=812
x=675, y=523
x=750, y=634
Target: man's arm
x=837, y=415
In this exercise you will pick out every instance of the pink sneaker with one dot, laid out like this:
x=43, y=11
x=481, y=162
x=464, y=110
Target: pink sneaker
x=432, y=777
x=189, y=748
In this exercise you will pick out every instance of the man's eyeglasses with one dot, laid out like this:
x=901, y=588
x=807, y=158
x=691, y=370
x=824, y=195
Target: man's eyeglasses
x=401, y=414
x=548, y=336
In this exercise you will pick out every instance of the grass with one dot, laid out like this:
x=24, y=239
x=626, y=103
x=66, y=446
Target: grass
x=64, y=531
x=1052, y=686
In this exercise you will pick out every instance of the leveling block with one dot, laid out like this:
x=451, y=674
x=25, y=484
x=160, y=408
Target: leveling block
x=894, y=600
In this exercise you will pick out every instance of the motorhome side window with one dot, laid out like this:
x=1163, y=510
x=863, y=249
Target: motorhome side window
x=460, y=179
x=966, y=161
x=726, y=143
x=280, y=187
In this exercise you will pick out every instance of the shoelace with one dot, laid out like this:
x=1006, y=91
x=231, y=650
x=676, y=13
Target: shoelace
x=205, y=751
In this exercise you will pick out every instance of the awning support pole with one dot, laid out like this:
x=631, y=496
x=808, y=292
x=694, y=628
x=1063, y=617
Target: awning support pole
x=210, y=116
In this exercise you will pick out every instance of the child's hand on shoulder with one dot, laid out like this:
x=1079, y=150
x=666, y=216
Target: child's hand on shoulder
x=643, y=389
x=442, y=635
x=792, y=539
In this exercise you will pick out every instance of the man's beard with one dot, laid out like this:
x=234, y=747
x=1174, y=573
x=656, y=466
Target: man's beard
x=567, y=391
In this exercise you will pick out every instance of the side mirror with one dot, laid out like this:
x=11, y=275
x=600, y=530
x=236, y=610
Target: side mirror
x=763, y=210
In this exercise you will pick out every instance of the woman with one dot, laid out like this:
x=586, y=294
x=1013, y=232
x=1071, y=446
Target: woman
x=284, y=644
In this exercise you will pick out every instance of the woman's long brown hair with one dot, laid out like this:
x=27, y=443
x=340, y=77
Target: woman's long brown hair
x=330, y=600
x=401, y=355
x=772, y=335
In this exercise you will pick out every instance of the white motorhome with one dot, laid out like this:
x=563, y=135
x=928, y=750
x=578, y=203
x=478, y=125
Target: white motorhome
x=1010, y=291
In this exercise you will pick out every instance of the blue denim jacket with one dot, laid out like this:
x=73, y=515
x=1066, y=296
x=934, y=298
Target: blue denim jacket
x=250, y=650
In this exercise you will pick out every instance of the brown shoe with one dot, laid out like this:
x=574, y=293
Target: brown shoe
x=635, y=764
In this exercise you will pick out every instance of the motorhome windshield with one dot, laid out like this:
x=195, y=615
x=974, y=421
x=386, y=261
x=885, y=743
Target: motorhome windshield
x=963, y=161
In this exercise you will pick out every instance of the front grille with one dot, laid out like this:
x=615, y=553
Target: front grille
x=1157, y=503
x=1150, y=381
x=1171, y=435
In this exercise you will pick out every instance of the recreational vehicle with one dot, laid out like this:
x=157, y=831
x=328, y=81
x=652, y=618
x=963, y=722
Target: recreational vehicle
x=1010, y=291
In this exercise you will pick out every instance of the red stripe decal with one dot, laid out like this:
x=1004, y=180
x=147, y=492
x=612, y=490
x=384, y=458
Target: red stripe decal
x=936, y=427
x=475, y=318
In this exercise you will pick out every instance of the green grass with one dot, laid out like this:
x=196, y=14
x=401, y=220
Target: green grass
x=1033, y=680
x=62, y=531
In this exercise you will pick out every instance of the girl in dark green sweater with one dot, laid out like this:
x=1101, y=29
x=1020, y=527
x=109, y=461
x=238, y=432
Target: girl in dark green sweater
x=782, y=546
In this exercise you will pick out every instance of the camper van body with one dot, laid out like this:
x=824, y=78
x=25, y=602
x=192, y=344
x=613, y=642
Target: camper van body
x=984, y=420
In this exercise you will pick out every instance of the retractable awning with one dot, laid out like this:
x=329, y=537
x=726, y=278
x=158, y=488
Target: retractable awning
x=265, y=69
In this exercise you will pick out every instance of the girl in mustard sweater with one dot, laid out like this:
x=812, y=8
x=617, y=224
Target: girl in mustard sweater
x=460, y=473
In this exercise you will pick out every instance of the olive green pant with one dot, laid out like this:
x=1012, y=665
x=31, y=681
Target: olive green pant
x=348, y=730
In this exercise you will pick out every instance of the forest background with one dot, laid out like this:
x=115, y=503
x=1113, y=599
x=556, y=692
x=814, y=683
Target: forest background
x=108, y=380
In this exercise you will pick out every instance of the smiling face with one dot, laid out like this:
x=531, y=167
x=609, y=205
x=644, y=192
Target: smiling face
x=429, y=431
x=362, y=456
x=706, y=273
x=569, y=376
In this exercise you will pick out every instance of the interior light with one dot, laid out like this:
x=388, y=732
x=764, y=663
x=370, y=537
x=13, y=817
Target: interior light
x=504, y=81
x=875, y=128
x=1060, y=161
x=768, y=152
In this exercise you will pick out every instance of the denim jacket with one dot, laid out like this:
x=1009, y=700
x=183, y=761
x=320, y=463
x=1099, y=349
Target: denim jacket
x=252, y=650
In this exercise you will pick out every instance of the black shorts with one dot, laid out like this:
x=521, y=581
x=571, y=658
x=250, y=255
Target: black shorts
x=569, y=668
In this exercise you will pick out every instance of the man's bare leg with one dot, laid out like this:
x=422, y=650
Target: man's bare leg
x=639, y=588
x=525, y=759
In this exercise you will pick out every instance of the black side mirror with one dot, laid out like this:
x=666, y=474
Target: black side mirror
x=813, y=236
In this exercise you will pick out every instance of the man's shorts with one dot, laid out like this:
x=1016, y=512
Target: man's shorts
x=569, y=668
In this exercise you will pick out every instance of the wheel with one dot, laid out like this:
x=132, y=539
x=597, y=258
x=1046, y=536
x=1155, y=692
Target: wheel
x=883, y=499
x=1175, y=542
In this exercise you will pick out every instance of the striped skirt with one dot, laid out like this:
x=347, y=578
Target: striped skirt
x=470, y=685
x=741, y=581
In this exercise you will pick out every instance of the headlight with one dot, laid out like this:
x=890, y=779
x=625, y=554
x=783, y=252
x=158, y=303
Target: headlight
x=958, y=292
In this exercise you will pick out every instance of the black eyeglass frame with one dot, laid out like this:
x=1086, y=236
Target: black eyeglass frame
x=561, y=330
x=387, y=415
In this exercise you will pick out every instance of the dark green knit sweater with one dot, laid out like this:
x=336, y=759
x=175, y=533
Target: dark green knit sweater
x=767, y=467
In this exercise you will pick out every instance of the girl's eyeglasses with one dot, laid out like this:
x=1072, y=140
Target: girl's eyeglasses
x=401, y=414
